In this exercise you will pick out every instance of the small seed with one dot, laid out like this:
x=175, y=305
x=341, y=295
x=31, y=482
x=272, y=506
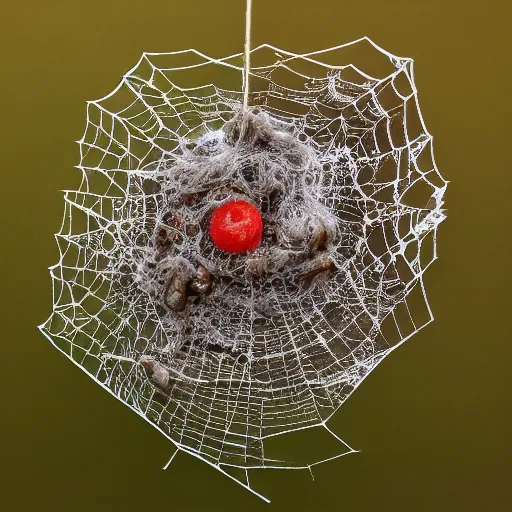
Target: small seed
x=175, y=295
x=202, y=283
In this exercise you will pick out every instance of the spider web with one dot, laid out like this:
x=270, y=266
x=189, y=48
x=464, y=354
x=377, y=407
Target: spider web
x=235, y=380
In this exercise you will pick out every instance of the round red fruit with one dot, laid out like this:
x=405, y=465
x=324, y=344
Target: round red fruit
x=236, y=227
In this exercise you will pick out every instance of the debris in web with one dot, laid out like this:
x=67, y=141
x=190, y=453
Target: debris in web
x=221, y=350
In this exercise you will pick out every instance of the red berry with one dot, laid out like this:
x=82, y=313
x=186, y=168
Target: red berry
x=236, y=227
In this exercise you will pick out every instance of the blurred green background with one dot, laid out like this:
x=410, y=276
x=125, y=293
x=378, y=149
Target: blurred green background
x=432, y=422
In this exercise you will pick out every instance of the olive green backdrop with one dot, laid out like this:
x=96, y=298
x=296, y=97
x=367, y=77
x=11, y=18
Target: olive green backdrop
x=432, y=422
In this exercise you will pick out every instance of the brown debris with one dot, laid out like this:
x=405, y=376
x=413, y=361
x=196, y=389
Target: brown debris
x=156, y=373
x=318, y=242
x=323, y=267
x=183, y=285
